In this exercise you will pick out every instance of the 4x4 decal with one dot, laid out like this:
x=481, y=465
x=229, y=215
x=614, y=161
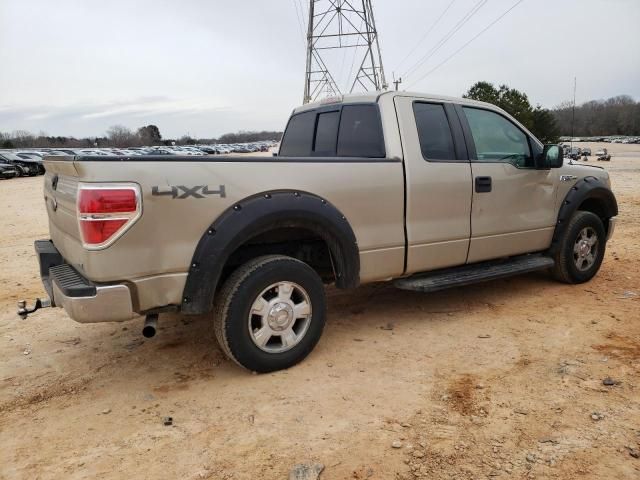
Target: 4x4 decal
x=199, y=191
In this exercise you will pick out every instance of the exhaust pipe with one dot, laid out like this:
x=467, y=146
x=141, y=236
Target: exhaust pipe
x=150, y=326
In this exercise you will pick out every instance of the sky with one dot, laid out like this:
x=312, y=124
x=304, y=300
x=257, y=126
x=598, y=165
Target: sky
x=207, y=67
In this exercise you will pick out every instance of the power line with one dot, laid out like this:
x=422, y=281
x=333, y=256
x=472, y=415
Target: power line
x=353, y=60
x=466, y=44
x=447, y=36
x=426, y=34
x=300, y=22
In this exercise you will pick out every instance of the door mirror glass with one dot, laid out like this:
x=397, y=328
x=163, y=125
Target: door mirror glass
x=551, y=157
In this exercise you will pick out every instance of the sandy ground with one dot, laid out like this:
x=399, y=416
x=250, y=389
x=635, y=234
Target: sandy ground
x=498, y=380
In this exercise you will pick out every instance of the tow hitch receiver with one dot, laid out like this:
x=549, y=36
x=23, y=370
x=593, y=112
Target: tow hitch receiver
x=23, y=311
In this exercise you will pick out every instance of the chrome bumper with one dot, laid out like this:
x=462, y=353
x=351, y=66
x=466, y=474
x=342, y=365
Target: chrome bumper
x=84, y=301
x=111, y=303
x=612, y=227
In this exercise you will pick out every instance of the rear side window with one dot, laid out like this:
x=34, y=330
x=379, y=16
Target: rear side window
x=326, y=134
x=350, y=131
x=360, y=132
x=298, y=138
x=434, y=133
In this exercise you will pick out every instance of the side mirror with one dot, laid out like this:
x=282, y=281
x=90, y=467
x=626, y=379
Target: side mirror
x=551, y=157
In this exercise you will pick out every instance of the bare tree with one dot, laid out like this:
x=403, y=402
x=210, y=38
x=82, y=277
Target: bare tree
x=121, y=136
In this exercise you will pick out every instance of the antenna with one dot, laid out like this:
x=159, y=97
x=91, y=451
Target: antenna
x=335, y=25
x=573, y=110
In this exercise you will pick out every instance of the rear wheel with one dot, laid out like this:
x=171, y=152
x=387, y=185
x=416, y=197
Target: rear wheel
x=270, y=313
x=581, y=249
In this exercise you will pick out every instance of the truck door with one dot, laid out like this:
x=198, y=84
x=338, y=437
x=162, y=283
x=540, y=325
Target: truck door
x=438, y=184
x=513, y=208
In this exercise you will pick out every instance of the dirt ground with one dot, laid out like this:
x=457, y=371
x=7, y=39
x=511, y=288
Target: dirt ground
x=498, y=380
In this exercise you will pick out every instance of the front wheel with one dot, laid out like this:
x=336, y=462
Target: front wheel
x=581, y=249
x=270, y=313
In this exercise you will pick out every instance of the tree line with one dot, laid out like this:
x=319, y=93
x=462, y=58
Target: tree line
x=615, y=116
x=618, y=115
x=540, y=121
x=123, y=137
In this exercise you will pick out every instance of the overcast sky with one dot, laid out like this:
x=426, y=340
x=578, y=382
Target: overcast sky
x=206, y=67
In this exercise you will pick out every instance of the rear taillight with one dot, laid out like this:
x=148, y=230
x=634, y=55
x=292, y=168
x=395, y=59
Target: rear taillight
x=106, y=211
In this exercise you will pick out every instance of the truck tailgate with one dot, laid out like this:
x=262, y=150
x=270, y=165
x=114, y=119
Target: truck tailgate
x=60, y=193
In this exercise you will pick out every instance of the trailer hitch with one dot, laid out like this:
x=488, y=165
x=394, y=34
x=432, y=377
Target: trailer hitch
x=23, y=311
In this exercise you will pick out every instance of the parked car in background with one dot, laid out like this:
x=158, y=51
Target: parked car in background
x=8, y=171
x=34, y=157
x=25, y=165
x=574, y=153
x=603, y=155
x=586, y=152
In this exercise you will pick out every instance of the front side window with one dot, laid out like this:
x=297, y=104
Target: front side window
x=434, y=133
x=497, y=139
x=360, y=132
x=298, y=138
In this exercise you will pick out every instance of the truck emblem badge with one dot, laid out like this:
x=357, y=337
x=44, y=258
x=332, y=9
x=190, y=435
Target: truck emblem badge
x=567, y=178
x=180, y=191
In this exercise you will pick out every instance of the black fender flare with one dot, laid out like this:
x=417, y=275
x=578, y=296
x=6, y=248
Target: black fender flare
x=258, y=214
x=587, y=188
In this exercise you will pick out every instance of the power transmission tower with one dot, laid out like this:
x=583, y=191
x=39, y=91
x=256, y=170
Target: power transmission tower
x=341, y=26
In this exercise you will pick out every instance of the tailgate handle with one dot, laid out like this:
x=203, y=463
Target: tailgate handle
x=483, y=184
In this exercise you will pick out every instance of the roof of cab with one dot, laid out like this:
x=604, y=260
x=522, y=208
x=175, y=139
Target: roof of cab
x=375, y=96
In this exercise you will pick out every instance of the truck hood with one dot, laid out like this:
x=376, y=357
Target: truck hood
x=581, y=170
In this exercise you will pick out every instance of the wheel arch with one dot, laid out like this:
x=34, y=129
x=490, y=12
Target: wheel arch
x=260, y=214
x=588, y=194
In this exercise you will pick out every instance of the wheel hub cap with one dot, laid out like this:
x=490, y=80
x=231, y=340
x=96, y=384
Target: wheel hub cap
x=585, y=248
x=280, y=316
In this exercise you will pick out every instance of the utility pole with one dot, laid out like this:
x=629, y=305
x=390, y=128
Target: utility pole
x=336, y=25
x=396, y=82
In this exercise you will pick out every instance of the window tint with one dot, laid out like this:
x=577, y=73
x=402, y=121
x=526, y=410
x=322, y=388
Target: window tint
x=360, y=132
x=327, y=134
x=436, y=141
x=297, y=140
x=497, y=139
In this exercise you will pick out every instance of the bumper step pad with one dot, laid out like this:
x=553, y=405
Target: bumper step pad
x=470, y=274
x=70, y=282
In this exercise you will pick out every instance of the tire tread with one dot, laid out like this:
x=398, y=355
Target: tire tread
x=227, y=293
x=561, y=269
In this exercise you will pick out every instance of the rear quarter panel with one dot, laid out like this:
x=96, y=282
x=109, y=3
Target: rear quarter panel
x=162, y=242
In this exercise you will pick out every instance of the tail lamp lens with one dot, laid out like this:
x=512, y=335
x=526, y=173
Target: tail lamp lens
x=106, y=212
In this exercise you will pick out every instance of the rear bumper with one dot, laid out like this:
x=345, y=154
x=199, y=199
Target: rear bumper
x=83, y=300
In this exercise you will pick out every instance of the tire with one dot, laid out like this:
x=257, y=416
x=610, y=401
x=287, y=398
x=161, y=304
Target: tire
x=255, y=316
x=581, y=249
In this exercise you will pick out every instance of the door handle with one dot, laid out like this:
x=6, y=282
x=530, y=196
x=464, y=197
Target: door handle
x=483, y=184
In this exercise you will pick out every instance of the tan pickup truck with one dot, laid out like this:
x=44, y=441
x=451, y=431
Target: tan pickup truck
x=426, y=191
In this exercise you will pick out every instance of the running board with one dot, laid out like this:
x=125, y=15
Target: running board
x=475, y=273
